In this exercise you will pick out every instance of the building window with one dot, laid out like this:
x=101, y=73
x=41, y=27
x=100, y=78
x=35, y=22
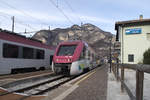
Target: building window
x=130, y=58
x=148, y=36
x=10, y=51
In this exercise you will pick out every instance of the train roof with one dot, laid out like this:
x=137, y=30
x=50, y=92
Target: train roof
x=70, y=41
x=76, y=42
x=14, y=37
x=73, y=42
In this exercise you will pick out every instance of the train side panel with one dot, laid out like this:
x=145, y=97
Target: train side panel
x=78, y=67
x=7, y=64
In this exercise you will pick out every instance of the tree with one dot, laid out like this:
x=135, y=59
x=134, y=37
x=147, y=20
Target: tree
x=146, y=57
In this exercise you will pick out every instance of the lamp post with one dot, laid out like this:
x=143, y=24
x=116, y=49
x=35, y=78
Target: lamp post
x=110, y=59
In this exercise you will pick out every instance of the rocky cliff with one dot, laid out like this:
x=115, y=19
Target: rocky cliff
x=94, y=36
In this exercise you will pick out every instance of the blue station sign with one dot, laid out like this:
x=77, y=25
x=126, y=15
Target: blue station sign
x=133, y=31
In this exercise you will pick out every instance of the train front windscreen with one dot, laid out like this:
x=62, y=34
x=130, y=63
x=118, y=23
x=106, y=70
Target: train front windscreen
x=66, y=50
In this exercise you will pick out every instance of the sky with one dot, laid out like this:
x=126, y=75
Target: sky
x=34, y=15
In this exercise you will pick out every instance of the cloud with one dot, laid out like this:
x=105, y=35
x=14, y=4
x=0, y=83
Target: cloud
x=97, y=19
x=40, y=20
x=46, y=17
x=31, y=15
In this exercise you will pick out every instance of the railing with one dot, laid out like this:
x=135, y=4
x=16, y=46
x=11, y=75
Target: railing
x=140, y=70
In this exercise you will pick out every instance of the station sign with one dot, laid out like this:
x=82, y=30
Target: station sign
x=133, y=31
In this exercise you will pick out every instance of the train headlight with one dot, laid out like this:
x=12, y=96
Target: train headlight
x=69, y=60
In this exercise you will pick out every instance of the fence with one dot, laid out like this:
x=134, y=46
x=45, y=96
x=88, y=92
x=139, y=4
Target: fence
x=140, y=70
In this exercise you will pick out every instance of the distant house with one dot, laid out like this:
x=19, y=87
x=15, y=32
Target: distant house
x=134, y=36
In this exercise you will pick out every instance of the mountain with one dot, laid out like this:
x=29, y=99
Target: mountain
x=94, y=36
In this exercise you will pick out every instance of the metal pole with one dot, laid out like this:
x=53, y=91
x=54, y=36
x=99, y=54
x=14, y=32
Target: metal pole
x=110, y=55
x=13, y=23
x=25, y=31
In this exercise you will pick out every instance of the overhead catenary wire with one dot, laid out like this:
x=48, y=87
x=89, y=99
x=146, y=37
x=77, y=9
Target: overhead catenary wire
x=33, y=29
x=28, y=32
x=61, y=11
x=56, y=5
x=64, y=13
x=26, y=14
x=5, y=15
x=71, y=8
x=27, y=25
x=73, y=11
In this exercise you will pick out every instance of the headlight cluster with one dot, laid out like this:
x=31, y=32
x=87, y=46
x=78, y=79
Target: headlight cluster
x=65, y=60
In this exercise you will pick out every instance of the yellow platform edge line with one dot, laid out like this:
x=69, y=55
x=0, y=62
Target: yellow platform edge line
x=85, y=77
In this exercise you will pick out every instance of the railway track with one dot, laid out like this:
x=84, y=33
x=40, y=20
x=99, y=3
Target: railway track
x=24, y=75
x=47, y=87
x=40, y=88
x=32, y=86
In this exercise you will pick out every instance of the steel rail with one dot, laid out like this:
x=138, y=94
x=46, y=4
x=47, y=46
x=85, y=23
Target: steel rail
x=32, y=86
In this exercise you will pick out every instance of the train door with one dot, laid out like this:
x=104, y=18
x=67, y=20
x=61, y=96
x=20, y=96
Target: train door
x=3, y=70
x=51, y=59
x=1, y=47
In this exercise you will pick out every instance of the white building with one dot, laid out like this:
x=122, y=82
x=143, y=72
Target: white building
x=134, y=36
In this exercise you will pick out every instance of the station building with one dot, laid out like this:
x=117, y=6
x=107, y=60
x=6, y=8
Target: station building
x=134, y=37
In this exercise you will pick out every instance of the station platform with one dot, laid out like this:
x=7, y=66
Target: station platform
x=92, y=86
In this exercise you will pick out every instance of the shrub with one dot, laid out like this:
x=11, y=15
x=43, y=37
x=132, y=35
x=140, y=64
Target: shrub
x=146, y=57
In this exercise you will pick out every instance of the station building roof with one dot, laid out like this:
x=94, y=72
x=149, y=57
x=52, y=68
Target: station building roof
x=138, y=22
x=132, y=21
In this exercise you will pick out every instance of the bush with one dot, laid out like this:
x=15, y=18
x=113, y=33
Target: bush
x=146, y=55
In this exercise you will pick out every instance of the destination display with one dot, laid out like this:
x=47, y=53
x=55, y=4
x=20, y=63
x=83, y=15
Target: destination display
x=133, y=31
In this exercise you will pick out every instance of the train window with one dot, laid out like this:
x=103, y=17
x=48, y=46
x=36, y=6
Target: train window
x=28, y=53
x=40, y=54
x=10, y=51
x=66, y=50
x=84, y=52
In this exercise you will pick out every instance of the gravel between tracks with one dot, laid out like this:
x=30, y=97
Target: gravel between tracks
x=23, y=75
x=5, y=79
